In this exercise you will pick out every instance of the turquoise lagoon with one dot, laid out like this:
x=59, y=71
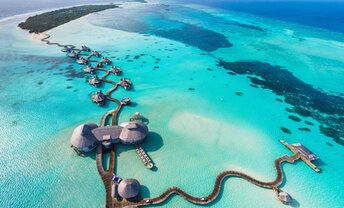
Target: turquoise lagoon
x=199, y=125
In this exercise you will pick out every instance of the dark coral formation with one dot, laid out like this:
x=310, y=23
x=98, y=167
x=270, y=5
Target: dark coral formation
x=239, y=93
x=285, y=130
x=196, y=36
x=309, y=123
x=306, y=100
x=294, y=118
x=305, y=129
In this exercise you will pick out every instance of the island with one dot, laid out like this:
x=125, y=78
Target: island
x=49, y=20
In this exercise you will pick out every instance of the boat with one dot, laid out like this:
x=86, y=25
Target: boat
x=98, y=98
x=89, y=69
x=116, y=70
x=85, y=48
x=96, y=53
x=126, y=101
x=125, y=83
x=95, y=81
x=81, y=60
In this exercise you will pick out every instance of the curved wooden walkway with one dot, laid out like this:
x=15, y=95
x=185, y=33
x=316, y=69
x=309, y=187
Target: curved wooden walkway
x=218, y=184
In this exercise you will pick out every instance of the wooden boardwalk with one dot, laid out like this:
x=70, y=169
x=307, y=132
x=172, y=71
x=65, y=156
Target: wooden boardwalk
x=217, y=187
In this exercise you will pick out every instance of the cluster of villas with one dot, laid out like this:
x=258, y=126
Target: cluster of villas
x=87, y=136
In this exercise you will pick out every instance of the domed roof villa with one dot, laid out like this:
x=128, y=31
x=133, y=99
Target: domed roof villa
x=83, y=140
x=129, y=189
x=86, y=136
x=133, y=133
x=284, y=197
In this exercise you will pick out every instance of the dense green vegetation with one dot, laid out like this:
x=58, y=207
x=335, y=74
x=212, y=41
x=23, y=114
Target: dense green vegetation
x=49, y=20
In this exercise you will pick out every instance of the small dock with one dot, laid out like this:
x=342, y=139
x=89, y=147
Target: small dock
x=144, y=157
x=306, y=155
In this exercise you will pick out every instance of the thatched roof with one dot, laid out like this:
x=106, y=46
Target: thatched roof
x=284, y=197
x=129, y=188
x=113, y=131
x=134, y=132
x=82, y=135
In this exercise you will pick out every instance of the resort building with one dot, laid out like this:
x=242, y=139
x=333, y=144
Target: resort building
x=86, y=136
x=133, y=133
x=284, y=197
x=129, y=189
x=83, y=140
x=305, y=152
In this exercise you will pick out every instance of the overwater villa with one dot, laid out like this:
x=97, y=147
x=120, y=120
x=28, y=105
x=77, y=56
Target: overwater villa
x=98, y=65
x=66, y=49
x=98, y=98
x=125, y=83
x=74, y=54
x=106, y=60
x=116, y=70
x=85, y=48
x=96, y=53
x=86, y=136
x=81, y=60
x=126, y=101
x=129, y=189
x=89, y=69
x=305, y=154
x=284, y=197
x=83, y=140
x=139, y=117
x=95, y=81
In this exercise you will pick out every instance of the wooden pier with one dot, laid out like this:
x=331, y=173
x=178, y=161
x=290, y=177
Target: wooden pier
x=307, y=161
x=144, y=157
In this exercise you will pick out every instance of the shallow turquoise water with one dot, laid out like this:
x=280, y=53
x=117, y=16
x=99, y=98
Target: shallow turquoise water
x=195, y=133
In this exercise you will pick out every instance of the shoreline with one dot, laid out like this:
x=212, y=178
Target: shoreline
x=37, y=12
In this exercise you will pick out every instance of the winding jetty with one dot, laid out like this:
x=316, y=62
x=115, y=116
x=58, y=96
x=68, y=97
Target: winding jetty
x=299, y=152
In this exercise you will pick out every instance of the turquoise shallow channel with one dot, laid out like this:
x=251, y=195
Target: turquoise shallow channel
x=219, y=89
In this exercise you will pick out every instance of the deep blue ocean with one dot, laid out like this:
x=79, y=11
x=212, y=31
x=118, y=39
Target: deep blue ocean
x=326, y=15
